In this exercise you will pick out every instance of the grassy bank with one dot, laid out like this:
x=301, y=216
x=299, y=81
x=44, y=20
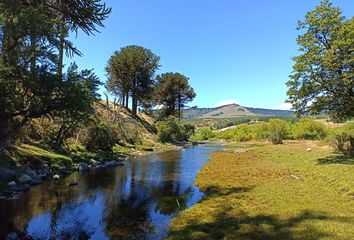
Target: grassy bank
x=272, y=192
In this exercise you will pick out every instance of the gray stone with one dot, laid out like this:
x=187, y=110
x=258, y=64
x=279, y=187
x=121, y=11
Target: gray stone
x=36, y=181
x=73, y=184
x=7, y=174
x=30, y=172
x=93, y=162
x=65, y=171
x=83, y=167
x=24, y=178
x=12, y=236
x=20, y=187
x=12, y=183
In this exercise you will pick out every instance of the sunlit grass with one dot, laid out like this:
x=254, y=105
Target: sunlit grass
x=272, y=192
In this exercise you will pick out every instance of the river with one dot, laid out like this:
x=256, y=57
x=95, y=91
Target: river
x=136, y=201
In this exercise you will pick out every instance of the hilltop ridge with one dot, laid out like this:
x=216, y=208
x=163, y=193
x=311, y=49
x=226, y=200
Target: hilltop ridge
x=232, y=111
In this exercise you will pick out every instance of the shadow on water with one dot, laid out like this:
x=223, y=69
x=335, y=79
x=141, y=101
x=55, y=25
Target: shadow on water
x=136, y=201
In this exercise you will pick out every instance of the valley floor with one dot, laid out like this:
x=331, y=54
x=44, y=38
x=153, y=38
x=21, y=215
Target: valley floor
x=272, y=192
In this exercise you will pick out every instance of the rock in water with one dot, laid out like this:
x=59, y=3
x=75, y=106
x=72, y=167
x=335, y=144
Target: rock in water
x=12, y=183
x=36, y=181
x=93, y=162
x=24, y=179
x=83, y=167
x=7, y=174
x=30, y=173
x=73, y=184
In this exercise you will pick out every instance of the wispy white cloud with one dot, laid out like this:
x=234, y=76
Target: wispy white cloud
x=283, y=106
x=226, y=102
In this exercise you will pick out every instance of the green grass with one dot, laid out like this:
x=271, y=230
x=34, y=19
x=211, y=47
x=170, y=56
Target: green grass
x=272, y=192
x=36, y=155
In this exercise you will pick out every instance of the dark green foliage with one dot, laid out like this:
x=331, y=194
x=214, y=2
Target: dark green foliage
x=174, y=130
x=309, y=129
x=173, y=92
x=32, y=42
x=322, y=79
x=100, y=136
x=131, y=74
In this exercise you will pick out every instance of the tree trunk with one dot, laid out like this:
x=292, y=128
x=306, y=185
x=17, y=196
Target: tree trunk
x=61, y=51
x=123, y=100
x=127, y=101
x=179, y=106
x=351, y=145
x=134, y=105
x=33, y=54
x=59, y=138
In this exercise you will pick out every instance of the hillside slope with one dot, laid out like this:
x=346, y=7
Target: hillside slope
x=232, y=111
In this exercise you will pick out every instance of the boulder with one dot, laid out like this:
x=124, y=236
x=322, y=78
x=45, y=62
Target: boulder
x=113, y=163
x=99, y=166
x=65, y=171
x=93, y=162
x=73, y=184
x=20, y=187
x=30, y=172
x=7, y=174
x=36, y=181
x=24, y=179
x=83, y=167
x=12, y=183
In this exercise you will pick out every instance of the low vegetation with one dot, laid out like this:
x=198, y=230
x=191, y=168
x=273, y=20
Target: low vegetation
x=277, y=130
x=272, y=192
x=174, y=130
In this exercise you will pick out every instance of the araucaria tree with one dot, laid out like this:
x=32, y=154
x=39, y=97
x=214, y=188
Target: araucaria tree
x=173, y=92
x=322, y=81
x=131, y=73
x=31, y=51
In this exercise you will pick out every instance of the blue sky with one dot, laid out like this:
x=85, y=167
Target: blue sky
x=232, y=50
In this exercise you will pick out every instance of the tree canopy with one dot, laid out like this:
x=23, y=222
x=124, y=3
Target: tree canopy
x=322, y=81
x=173, y=92
x=131, y=73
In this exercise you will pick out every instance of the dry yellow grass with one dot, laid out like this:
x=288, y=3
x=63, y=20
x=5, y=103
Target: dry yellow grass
x=273, y=192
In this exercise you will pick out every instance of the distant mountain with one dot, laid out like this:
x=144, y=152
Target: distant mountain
x=232, y=111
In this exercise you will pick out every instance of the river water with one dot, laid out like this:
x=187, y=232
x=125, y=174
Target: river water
x=136, y=201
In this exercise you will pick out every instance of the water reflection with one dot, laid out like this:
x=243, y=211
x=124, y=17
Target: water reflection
x=136, y=201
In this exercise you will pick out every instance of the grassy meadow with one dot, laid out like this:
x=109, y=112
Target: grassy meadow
x=272, y=192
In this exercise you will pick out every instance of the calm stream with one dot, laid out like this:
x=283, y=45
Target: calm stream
x=136, y=201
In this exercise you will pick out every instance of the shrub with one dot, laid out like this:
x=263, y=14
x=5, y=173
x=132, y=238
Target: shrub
x=203, y=134
x=100, y=137
x=342, y=138
x=309, y=129
x=245, y=132
x=174, y=130
x=278, y=130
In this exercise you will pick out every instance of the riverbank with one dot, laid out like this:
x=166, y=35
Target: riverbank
x=31, y=165
x=289, y=191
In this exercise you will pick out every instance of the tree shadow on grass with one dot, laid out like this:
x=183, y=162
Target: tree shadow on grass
x=234, y=223
x=256, y=227
x=337, y=159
